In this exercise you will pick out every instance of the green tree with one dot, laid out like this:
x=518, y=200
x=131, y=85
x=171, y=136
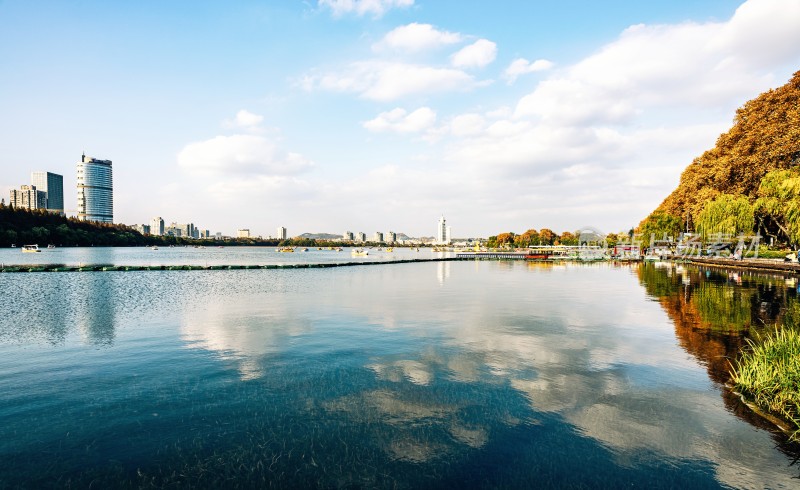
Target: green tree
x=779, y=202
x=726, y=214
x=658, y=225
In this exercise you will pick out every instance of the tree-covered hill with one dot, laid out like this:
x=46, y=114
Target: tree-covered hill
x=21, y=226
x=765, y=138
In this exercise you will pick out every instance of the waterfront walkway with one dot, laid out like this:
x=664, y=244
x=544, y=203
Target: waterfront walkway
x=774, y=265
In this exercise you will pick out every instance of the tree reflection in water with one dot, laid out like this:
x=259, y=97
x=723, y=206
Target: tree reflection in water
x=715, y=311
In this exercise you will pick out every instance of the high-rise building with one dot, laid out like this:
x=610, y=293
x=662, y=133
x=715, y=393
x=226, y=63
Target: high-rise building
x=361, y=236
x=28, y=197
x=378, y=237
x=187, y=230
x=282, y=233
x=157, y=226
x=391, y=237
x=347, y=236
x=442, y=232
x=95, y=190
x=53, y=185
x=243, y=233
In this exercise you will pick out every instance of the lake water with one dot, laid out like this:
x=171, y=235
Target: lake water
x=490, y=374
x=145, y=256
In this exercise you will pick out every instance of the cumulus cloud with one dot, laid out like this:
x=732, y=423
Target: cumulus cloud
x=244, y=120
x=521, y=66
x=416, y=37
x=363, y=7
x=386, y=81
x=240, y=155
x=476, y=55
x=663, y=65
x=400, y=121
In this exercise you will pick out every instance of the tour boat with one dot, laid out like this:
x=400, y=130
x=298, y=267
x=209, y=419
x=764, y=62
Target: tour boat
x=51, y=246
x=30, y=248
x=286, y=249
x=359, y=253
x=154, y=247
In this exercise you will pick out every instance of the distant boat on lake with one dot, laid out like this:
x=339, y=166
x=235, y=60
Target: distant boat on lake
x=30, y=248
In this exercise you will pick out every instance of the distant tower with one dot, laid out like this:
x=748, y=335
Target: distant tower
x=53, y=185
x=348, y=236
x=442, y=232
x=378, y=237
x=282, y=233
x=95, y=190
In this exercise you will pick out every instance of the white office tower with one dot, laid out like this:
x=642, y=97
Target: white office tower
x=378, y=237
x=348, y=236
x=442, y=232
x=157, y=226
x=391, y=237
x=95, y=190
x=282, y=233
x=361, y=237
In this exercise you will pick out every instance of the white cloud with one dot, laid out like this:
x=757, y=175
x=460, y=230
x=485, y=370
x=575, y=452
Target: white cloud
x=399, y=121
x=416, y=37
x=244, y=120
x=362, y=7
x=240, y=155
x=710, y=64
x=386, y=81
x=521, y=66
x=247, y=119
x=476, y=55
x=467, y=125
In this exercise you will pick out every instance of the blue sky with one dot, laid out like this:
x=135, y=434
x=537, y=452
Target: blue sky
x=382, y=115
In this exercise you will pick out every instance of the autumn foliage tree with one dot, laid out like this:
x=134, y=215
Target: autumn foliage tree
x=765, y=137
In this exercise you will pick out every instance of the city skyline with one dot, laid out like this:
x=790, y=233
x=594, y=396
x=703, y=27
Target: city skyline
x=337, y=115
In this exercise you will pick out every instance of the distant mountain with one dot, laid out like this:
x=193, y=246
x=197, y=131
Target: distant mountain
x=765, y=136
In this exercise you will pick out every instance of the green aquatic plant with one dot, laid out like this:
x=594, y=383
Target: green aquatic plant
x=769, y=374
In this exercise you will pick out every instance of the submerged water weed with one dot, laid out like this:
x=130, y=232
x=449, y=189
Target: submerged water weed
x=769, y=374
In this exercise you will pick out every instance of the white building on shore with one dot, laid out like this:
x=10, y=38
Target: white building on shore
x=443, y=232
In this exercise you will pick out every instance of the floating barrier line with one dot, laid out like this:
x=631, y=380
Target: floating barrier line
x=142, y=268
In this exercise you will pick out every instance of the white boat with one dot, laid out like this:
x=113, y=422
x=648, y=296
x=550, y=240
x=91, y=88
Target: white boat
x=30, y=248
x=51, y=246
x=359, y=253
x=154, y=247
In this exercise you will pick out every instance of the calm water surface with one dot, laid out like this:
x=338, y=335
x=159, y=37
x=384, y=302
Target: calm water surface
x=145, y=256
x=424, y=375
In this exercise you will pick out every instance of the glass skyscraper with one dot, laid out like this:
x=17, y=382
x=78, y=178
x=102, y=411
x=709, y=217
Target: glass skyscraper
x=53, y=185
x=95, y=190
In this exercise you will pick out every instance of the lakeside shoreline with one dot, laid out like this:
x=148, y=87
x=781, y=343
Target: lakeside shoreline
x=770, y=265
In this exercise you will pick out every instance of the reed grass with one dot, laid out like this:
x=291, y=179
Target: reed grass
x=769, y=374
